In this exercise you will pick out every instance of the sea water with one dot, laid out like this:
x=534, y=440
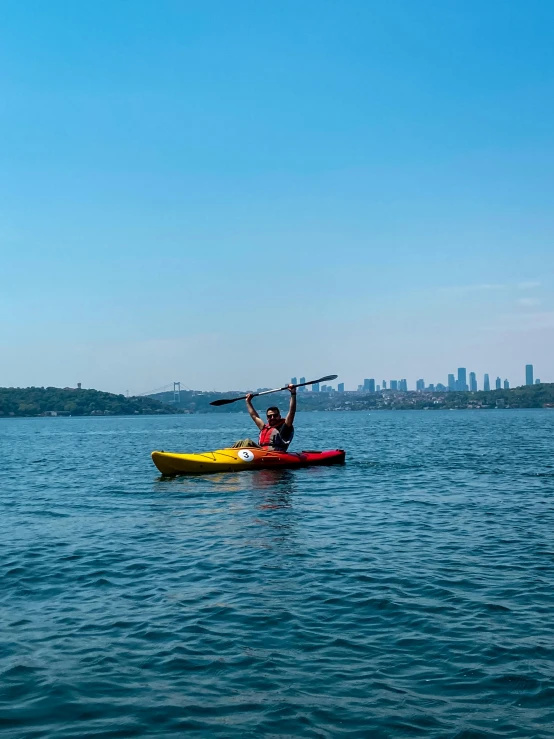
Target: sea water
x=407, y=593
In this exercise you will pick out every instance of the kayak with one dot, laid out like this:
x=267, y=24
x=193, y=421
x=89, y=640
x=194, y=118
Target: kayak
x=234, y=460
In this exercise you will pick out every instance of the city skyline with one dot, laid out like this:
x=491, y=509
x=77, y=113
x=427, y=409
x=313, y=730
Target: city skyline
x=454, y=383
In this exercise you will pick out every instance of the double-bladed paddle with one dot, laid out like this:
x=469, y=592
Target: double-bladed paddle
x=225, y=401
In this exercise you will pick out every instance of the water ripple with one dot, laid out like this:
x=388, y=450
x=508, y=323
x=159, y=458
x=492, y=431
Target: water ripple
x=408, y=593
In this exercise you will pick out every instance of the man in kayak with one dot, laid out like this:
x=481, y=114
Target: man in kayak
x=277, y=433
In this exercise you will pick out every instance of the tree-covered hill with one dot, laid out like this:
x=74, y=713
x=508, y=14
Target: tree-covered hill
x=526, y=396
x=37, y=401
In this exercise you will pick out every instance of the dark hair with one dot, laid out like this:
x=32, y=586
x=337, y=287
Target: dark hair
x=273, y=408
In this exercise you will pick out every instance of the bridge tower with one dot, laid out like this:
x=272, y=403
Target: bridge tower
x=176, y=392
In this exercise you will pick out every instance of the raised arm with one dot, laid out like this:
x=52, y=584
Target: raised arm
x=289, y=420
x=253, y=412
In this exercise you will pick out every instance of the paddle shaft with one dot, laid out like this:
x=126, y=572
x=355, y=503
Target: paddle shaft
x=276, y=390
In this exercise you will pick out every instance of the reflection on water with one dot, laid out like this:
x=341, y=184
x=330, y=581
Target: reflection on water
x=275, y=478
x=270, y=492
x=229, y=482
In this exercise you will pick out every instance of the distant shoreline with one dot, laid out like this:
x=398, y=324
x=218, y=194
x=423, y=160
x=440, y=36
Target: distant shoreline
x=305, y=410
x=36, y=402
x=526, y=396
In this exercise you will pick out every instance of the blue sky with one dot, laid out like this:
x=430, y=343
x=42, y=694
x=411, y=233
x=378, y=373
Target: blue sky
x=228, y=194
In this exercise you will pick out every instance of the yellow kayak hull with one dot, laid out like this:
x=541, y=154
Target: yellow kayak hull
x=232, y=460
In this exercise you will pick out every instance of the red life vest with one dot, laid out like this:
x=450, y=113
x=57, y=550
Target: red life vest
x=270, y=438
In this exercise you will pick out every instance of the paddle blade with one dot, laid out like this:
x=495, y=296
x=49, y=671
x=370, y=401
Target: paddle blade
x=223, y=401
x=326, y=379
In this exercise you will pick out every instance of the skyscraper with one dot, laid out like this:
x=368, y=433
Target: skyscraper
x=340, y=387
x=472, y=382
x=431, y=388
x=420, y=385
x=394, y=384
x=451, y=382
x=366, y=386
x=371, y=385
x=462, y=379
x=302, y=389
x=498, y=384
x=377, y=388
x=384, y=385
x=315, y=387
x=486, y=384
x=506, y=385
x=537, y=381
x=403, y=385
x=293, y=381
x=528, y=374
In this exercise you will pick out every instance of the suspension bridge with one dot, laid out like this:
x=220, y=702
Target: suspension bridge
x=171, y=387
